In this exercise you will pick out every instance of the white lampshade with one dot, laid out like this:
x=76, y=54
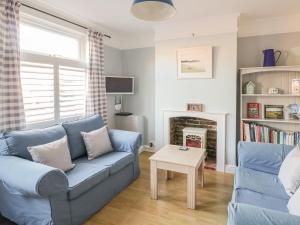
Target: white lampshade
x=151, y=10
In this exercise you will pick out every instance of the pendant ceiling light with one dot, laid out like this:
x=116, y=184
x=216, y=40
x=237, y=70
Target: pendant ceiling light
x=153, y=10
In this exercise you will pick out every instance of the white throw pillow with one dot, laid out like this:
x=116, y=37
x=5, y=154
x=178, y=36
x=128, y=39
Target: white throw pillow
x=289, y=173
x=55, y=154
x=294, y=203
x=97, y=142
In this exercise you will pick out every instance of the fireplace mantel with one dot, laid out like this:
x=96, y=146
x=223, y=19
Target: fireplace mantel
x=220, y=118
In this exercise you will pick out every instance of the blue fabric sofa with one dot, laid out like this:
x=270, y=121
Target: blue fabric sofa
x=36, y=194
x=259, y=198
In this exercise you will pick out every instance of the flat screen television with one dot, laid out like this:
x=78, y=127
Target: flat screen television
x=119, y=85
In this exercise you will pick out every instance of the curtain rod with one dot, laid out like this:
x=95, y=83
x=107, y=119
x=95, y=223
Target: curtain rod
x=49, y=14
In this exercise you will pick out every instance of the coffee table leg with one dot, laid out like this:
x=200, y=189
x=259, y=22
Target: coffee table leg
x=191, y=188
x=201, y=174
x=169, y=175
x=153, y=179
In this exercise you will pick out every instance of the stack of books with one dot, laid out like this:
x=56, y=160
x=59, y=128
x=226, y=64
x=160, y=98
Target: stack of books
x=254, y=132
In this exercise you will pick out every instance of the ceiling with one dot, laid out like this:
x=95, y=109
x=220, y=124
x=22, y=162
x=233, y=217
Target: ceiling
x=115, y=14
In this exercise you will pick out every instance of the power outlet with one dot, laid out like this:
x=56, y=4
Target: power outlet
x=150, y=147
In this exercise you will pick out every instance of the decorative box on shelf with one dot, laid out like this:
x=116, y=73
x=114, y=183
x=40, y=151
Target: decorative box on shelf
x=253, y=110
x=194, y=137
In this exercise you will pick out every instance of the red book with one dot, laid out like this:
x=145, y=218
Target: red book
x=253, y=110
x=258, y=134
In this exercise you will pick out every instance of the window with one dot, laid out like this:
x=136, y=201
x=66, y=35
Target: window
x=53, y=74
x=42, y=41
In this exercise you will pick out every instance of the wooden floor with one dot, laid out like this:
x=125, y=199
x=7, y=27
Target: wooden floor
x=134, y=206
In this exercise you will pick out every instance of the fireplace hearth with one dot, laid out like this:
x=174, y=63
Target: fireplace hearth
x=181, y=125
x=215, y=118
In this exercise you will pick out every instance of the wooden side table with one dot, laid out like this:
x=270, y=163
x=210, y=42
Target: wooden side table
x=171, y=159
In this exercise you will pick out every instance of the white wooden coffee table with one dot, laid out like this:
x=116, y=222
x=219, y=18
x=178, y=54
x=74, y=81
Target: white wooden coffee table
x=171, y=159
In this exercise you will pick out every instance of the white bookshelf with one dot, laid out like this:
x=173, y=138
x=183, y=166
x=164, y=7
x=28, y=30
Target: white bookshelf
x=271, y=121
x=271, y=95
x=264, y=78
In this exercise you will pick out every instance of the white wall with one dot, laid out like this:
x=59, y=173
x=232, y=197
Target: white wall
x=217, y=94
x=140, y=63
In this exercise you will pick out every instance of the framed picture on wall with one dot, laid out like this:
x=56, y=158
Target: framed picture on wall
x=194, y=107
x=195, y=63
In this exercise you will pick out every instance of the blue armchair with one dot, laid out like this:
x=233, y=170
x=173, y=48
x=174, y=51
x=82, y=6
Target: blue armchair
x=259, y=197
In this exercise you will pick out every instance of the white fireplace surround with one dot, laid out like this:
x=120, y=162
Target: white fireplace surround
x=220, y=118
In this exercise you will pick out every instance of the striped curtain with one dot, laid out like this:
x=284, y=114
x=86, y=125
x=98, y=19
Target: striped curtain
x=11, y=102
x=96, y=97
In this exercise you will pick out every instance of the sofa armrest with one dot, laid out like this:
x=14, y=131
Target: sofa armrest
x=243, y=214
x=125, y=141
x=21, y=176
x=261, y=156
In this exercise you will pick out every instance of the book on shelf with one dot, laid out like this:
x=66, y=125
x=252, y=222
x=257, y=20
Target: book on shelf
x=253, y=132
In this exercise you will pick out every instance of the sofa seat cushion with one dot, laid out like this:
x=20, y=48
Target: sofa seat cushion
x=18, y=141
x=250, y=197
x=260, y=182
x=115, y=161
x=85, y=176
x=74, y=129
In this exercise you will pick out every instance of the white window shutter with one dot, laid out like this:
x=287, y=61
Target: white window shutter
x=38, y=91
x=72, y=92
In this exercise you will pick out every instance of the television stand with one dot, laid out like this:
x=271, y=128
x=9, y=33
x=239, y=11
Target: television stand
x=123, y=114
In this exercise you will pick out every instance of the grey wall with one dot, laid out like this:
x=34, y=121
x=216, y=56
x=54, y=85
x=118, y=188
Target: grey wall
x=250, y=49
x=140, y=63
x=112, y=66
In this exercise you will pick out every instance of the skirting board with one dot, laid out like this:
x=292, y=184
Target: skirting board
x=146, y=148
x=230, y=168
x=141, y=149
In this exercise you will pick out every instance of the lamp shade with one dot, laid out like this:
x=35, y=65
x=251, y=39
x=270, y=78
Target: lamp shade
x=153, y=10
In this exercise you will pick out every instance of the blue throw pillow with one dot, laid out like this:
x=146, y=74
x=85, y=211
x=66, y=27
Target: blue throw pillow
x=18, y=141
x=74, y=129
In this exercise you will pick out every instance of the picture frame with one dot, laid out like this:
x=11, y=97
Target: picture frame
x=194, y=107
x=294, y=111
x=295, y=86
x=275, y=112
x=195, y=63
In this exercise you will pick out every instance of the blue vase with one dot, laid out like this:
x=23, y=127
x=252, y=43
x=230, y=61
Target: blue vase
x=269, y=57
